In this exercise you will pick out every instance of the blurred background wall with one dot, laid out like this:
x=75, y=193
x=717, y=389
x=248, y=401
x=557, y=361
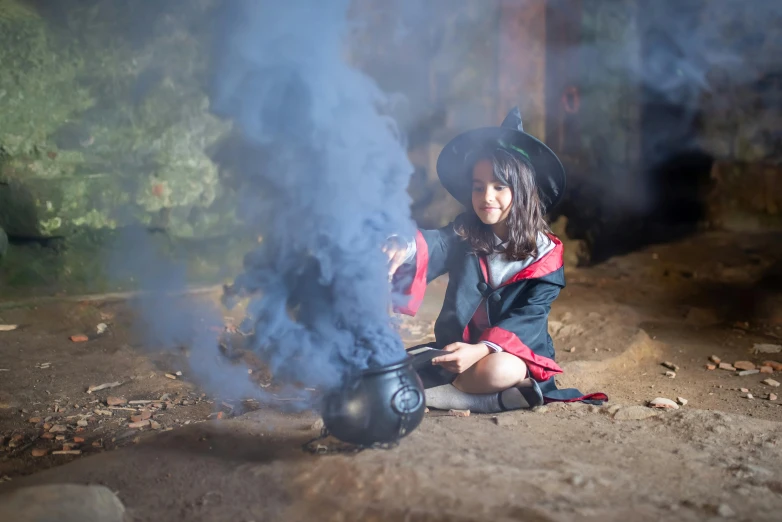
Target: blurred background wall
x=666, y=114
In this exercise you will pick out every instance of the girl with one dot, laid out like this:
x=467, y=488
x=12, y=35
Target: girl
x=505, y=269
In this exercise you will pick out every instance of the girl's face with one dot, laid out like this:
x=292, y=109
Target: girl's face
x=491, y=198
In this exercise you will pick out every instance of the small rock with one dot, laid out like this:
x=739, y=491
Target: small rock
x=171, y=376
x=69, y=447
x=572, y=349
x=79, y=338
x=711, y=367
x=715, y=359
x=317, y=425
x=777, y=366
x=576, y=480
x=58, y=428
x=772, y=396
x=63, y=502
x=47, y=426
x=144, y=415
x=34, y=420
x=766, y=369
x=139, y=424
x=671, y=366
x=682, y=401
x=726, y=366
x=154, y=425
x=661, y=402
x=725, y=511
x=459, y=413
x=745, y=373
x=744, y=390
x=749, y=396
x=743, y=365
x=178, y=374
x=634, y=413
x=83, y=423
x=767, y=348
x=101, y=328
x=78, y=440
x=116, y=401
x=540, y=409
x=39, y=452
x=670, y=374
x=47, y=436
x=770, y=382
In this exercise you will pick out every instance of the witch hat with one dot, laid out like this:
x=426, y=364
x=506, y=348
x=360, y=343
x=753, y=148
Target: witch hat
x=455, y=163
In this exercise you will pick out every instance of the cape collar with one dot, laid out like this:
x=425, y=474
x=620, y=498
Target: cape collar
x=546, y=264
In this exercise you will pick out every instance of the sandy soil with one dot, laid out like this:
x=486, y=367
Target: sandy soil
x=717, y=457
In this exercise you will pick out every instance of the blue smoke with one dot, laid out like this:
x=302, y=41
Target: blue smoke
x=325, y=186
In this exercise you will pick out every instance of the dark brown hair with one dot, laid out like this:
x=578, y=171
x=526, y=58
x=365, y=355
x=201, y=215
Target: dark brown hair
x=525, y=219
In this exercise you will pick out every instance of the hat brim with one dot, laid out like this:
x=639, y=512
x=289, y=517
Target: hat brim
x=455, y=163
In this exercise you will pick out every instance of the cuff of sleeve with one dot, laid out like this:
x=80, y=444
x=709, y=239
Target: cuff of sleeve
x=410, y=250
x=493, y=347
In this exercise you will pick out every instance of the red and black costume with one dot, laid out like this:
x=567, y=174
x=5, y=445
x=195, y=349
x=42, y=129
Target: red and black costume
x=517, y=310
x=512, y=314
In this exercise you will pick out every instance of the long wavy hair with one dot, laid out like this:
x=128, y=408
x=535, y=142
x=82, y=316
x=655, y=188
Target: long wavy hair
x=525, y=219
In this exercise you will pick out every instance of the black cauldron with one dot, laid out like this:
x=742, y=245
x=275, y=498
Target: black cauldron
x=379, y=405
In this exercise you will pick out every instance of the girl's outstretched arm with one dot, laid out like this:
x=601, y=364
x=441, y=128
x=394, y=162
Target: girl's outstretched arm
x=424, y=258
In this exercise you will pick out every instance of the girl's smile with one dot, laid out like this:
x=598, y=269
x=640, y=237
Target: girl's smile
x=492, y=199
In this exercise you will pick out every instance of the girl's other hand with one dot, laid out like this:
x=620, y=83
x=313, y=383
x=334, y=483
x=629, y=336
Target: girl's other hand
x=396, y=252
x=462, y=356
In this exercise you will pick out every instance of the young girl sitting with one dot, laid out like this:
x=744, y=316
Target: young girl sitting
x=505, y=269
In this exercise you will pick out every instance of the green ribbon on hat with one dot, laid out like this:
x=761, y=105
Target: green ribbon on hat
x=517, y=149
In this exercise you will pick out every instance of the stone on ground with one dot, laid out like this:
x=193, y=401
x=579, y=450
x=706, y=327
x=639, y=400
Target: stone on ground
x=63, y=503
x=634, y=413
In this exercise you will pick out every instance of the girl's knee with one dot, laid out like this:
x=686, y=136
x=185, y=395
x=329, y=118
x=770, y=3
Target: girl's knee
x=504, y=370
x=493, y=373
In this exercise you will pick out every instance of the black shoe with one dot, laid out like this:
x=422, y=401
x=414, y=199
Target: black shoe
x=530, y=394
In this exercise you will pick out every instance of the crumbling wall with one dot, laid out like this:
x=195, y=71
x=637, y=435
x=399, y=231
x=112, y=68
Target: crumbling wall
x=463, y=82
x=600, y=145
x=458, y=64
x=102, y=126
x=742, y=114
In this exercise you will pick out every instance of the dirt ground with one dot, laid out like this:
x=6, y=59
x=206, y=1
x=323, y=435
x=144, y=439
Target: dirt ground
x=214, y=458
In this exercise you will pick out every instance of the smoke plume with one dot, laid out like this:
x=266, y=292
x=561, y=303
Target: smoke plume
x=325, y=182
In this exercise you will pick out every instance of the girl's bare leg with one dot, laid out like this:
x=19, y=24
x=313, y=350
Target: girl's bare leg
x=494, y=373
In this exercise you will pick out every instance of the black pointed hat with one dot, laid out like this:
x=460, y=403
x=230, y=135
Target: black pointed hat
x=454, y=166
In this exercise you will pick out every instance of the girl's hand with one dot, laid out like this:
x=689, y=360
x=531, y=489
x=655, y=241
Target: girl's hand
x=396, y=253
x=462, y=356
